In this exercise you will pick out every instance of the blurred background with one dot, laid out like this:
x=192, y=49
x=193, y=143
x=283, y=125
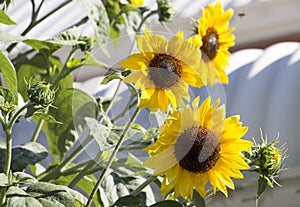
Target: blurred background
x=264, y=75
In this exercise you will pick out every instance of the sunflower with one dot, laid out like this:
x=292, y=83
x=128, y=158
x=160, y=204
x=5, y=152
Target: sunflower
x=196, y=146
x=163, y=70
x=214, y=39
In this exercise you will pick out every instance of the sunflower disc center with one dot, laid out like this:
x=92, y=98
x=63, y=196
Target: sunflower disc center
x=210, y=43
x=197, y=149
x=164, y=71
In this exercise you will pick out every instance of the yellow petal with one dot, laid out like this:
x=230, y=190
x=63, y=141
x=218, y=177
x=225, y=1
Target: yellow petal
x=134, y=62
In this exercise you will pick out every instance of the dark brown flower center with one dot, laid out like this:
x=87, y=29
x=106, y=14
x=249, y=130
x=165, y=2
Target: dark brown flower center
x=197, y=149
x=210, y=43
x=164, y=71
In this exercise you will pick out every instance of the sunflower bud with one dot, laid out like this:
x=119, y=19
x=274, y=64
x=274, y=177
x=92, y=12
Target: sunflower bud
x=40, y=93
x=266, y=160
x=165, y=10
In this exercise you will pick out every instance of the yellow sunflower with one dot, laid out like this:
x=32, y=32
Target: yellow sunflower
x=196, y=146
x=163, y=70
x=214, y=39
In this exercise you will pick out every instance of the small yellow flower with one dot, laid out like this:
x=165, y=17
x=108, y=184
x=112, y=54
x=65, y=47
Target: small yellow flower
x=137, y=2
x=196, y=146
x=214, y=39
x=164, y=70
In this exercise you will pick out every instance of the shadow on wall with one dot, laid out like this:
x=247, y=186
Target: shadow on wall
x=265, y=92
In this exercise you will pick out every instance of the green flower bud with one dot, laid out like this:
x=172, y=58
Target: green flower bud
x=267, y=161
x=41, y=93
x=165, y=10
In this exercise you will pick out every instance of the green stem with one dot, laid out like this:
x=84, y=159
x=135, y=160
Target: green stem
x=128, y=107
x=84, y=171
x=76, y=168
x=56, y=172
x=8, y=134
x=144, y=19
x=37, y=130
x=143, y=185
x=7, y=163
x=16, y=115
x=34, y=23
x=112, y=157
x=65, y=71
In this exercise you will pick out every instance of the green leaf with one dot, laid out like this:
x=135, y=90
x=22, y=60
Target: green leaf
x=129, y=201
x=16, y=197
x=90, y=60
x=7, y=100
x=69, y=37
x=23, y=178
x=99, y=132
x=77, y=197
x=86, y=184
x=31, y=110
x=9, y=74
x=6, y=38
x=23, y=155
x=262, y=184
x=168, y=203
x=72, y=107
x=3, y=180
x=115, y=75
x=47, y=117
x=40, y=45
x=98, y=16
x=5, y=19
x=48, y=193
x=133, y=161
x=197, y=200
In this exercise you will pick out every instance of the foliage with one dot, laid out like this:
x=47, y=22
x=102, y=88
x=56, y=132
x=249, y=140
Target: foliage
x=38, y=85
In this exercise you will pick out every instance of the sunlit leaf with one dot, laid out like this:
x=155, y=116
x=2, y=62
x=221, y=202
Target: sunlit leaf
x=48, y=193
x=23, y=178
x=16, y=197
x=98, y=17
x=6, y=38
x=5, y=19
x=9, y=74
x=3, y=179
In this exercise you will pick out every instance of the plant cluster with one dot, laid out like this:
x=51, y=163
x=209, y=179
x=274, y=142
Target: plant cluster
x=196, y=151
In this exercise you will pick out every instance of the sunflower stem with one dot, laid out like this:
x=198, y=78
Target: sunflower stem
x=112, y=157
x=143, y=185
x=37, y=130
x=144, y=19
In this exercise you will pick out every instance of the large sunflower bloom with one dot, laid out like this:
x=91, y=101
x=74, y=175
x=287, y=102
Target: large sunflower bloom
x=196, y=146
x=214, y=39
x=164, y=70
